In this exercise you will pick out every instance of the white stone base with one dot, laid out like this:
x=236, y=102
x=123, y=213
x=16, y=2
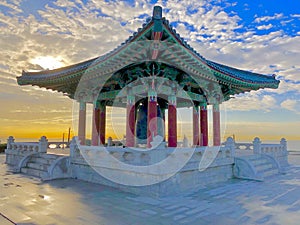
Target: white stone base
x=180, y=183
x=187, y=179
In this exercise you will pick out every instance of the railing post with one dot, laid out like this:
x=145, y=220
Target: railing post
x=43, y=145
x=283, y=143
x=73, y=147
x=185, y=142
x=110, y=142
x=231, y=145
x=10, y=141
x=257, y=146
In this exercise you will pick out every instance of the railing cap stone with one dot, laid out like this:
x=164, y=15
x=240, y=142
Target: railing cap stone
x=43, y=139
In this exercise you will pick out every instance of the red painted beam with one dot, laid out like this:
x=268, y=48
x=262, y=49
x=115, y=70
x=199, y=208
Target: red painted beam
x=130, y=123
x=102, y=122
x=172, y=125
x=82, y=123
x=216, y=125
x=95, y=125
x=151, y=119
x=196, y=135
x=204, y=125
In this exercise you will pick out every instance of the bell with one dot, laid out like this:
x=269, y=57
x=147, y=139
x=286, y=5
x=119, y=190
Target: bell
x=142, y=120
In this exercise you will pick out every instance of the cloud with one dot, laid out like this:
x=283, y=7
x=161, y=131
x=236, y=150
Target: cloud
x=296, y=15
x=265, y=27
x=276, y=16
x=251, y=101
x=292, y=105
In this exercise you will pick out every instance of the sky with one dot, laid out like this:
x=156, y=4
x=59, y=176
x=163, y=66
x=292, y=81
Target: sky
x=258, y=36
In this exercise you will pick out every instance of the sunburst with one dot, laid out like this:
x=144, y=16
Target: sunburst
x=48, y=62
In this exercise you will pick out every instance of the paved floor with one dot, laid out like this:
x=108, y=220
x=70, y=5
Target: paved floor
x=25, y=200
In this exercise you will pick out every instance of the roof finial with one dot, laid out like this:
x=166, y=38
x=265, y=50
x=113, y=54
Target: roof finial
x=157, y=12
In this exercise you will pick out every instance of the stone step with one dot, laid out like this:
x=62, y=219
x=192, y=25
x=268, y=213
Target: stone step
x=33, y=172
x=38, y=166
x=262, y=167
x=49, y=156
x=39, y=160
x=258, y=162
x=268, y=172
x=253, y=157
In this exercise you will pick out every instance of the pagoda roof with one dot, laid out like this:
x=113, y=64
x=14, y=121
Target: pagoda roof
x=179, y=53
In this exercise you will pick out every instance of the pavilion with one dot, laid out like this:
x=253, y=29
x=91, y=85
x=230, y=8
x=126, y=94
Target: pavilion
x=152, y=74
x=154, y=70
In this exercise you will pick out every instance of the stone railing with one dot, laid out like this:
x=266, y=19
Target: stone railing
x=80, y=154
x=58, y=144
x=258, y=147
x=238, y=145
x=273, y=149
x=278, y=151
x=244, y=146
x=17, y=151
x=39, y=147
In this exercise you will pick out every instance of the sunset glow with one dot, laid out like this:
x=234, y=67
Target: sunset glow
x=48, y=62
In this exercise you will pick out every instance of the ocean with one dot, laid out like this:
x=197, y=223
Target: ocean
x=293, y=145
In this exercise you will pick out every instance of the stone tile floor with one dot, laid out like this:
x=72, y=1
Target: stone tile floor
x=25, y=200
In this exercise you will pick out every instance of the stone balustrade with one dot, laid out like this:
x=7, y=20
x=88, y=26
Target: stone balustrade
x=244, y=146
x=16, y=151
x=276, y=148
x=239, y=145
x=33, y=147
x=40, y=146
x=258, y=147
x=278, y=151
x=80, y=154
x=273, y=149
x=58, y=144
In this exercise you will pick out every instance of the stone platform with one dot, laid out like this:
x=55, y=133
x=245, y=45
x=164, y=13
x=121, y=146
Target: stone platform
x=26, y=200
x=156, y=172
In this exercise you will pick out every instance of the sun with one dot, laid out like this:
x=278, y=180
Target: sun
x=48, y=62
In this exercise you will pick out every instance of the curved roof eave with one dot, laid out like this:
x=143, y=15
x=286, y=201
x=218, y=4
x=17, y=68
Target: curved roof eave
x=73, y=69
x=220, y=69
x=224, y=74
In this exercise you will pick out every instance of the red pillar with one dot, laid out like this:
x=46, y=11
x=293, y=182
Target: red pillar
x=163, y=111
x=95, y=124
x=196, y=136
x=102, y=122
x=216, y=125
x=204, y=125
x=152, y=117
x=82, y=122
x=130, y=121
x=172, y=122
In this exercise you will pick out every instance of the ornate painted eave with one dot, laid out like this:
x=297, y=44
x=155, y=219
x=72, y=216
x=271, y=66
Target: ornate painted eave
x=176, y=52
x=225, y=73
